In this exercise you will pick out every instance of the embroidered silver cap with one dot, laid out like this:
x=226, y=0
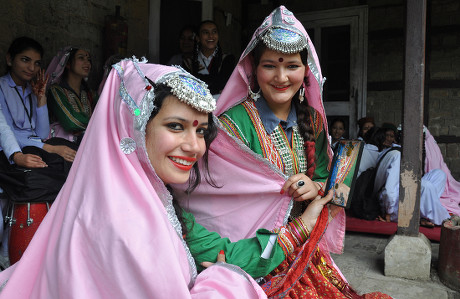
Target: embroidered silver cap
x=281, y=35
x=189, y=90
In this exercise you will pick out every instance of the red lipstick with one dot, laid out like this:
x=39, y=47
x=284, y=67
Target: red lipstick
x=176, y=162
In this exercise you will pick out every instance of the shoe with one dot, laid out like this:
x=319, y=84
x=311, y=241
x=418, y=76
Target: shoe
x=426, y=223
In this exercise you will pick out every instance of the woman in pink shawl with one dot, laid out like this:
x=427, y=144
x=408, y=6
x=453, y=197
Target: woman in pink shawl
x=113, y=231
x=271, y=148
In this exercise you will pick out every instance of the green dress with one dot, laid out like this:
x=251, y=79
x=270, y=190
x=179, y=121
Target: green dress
x=246, y=253
x=70, y=110
x=243, y=122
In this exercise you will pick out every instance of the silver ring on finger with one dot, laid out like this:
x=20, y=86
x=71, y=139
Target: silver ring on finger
x=300, y=183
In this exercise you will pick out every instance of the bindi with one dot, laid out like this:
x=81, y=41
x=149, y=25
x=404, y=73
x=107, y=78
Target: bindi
x=195, y=123
x=280, y=59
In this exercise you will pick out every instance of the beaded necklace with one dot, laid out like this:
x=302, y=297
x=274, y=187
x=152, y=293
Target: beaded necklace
x=276, y=147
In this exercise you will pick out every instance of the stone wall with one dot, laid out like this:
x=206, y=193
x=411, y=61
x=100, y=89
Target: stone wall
x=56, y=24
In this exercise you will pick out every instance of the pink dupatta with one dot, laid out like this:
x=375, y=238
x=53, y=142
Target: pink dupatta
x=450, y=199
x=112, y=231
x=249, y=196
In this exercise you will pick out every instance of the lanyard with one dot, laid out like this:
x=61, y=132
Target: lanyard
x=28, y=112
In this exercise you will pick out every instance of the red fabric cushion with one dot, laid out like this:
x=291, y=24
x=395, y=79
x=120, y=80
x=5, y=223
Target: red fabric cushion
x=387, y=228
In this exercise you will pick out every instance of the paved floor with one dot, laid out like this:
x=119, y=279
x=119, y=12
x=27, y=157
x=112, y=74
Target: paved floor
x=362, y=263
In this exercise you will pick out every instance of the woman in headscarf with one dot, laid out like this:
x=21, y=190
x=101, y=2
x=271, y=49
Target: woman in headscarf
x=113, y=231
x=69, y=97
x=272, y=148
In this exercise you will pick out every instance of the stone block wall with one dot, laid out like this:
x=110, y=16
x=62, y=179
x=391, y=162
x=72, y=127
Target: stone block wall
x=56, y=24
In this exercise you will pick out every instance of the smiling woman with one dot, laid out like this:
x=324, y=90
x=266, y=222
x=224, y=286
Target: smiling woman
x=174, y=143
x=153, y=124
x=69, y=97
x=209, y=63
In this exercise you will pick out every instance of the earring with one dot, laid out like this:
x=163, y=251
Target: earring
x=254, y=95
x=9, y=63
x=301, y=94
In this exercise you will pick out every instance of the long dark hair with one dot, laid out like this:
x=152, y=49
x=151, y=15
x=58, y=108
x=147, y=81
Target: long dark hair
x=161, y=92
x=302, y=108
x=22, y=44
x=70, y=60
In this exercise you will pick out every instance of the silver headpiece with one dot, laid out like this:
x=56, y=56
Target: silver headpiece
x=281, y=35
x=189, y=90
x=284, y=40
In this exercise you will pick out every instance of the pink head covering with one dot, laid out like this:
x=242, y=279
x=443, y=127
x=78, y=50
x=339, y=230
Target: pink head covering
x=249, y=195
x=237, y=86
x=112, y=231
x=57, y=65
x=450, y=199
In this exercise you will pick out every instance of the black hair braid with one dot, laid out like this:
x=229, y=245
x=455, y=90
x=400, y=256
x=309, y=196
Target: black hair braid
x=217, y=61
x=195, y=62
x=306, y=131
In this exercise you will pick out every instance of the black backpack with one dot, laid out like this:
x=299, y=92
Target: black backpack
x=365, y=203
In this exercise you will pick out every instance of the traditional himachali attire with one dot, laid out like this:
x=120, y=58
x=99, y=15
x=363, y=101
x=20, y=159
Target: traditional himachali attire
x=250, y=168
x=113, y=231
x=72, y=111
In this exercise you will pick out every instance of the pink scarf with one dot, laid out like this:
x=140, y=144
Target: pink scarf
x=112, y=231
x=450, y=199
x=249, y=195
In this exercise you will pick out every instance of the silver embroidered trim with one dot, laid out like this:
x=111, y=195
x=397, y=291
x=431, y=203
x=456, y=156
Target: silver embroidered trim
x=284, y=40
x=146, y=106
x=289, y=20
x=3, y=285
x=125, y=96
x=127, y=145
x=265, y=24
x=287, y=12
x=285, y=151
x=189, y=90
x=259, y=158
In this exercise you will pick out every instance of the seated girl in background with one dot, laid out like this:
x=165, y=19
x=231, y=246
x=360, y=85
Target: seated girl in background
x=337, y=130
x=69, y=97
x=365, y=124
x=387, y=181
x=24, y=102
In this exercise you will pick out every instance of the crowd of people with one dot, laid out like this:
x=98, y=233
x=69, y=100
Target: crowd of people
x=439, y=190
x=202, y=55
x=168, y=192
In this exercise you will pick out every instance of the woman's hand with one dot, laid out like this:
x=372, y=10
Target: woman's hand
x=220, y=258
x=311, y=213
x=28, y=160
x=64, y=151
x=39, y=87
x=307, y=190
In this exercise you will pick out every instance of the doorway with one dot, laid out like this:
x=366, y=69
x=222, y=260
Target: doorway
x=340, y=40
x=171, y=16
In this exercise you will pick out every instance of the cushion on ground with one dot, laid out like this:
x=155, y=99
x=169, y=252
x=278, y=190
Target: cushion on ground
x=386, y=228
